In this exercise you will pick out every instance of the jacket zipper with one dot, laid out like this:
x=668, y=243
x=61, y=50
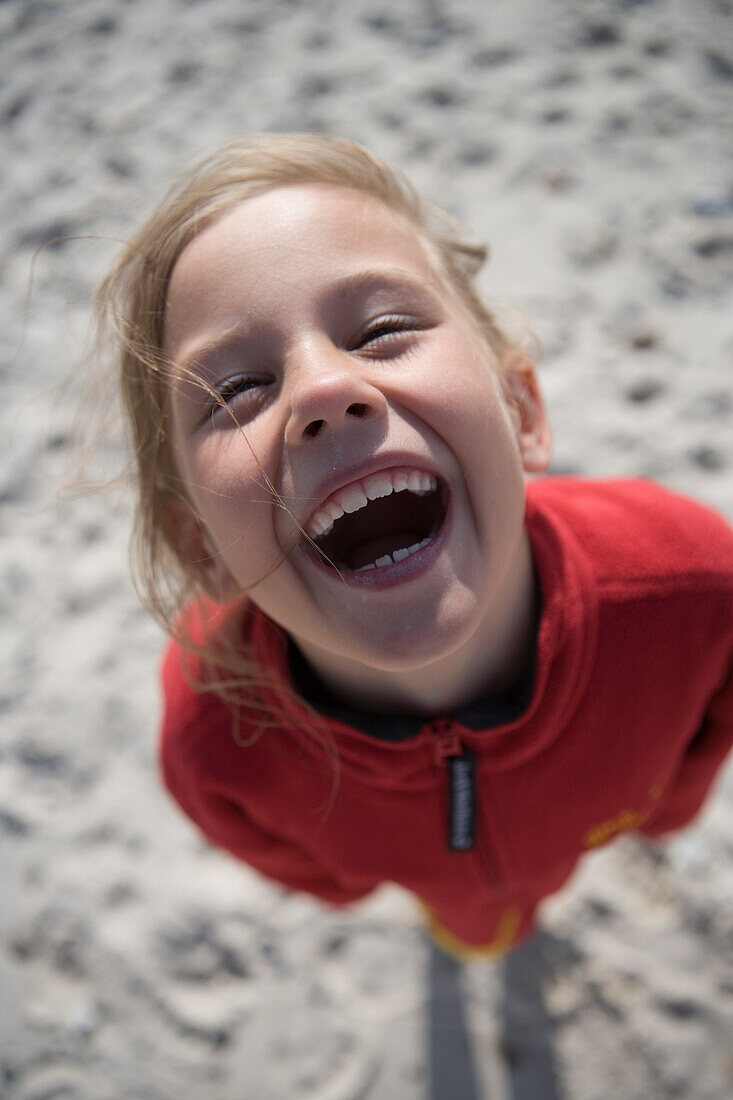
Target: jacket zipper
x=450, y=753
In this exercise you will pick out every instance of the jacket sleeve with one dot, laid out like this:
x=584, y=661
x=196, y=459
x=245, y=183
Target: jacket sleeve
x=227, y=825
x=700, y=765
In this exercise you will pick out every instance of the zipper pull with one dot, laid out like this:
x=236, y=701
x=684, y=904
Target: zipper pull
x=461, y=785
x=447, y=741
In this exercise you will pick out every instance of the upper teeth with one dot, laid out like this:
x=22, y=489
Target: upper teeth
x=357, y=495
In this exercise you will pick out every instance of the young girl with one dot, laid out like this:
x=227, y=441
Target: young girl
x=389, y=661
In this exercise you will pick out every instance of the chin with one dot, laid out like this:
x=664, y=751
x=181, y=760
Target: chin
x=414, y=645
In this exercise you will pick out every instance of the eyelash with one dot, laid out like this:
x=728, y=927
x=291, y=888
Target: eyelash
x=224, y=394
x=234, y=386
x=388, y=326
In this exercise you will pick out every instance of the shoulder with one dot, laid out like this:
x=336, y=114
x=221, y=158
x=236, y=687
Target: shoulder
x=202, y=735
x=195, y=724
x=185, y=705
x=635, y=530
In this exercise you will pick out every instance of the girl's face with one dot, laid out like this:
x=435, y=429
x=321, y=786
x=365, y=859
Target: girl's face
x=368, y=401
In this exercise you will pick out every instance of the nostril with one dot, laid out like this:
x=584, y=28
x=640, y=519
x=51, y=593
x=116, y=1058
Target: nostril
x=357, y=409
x=313, y=428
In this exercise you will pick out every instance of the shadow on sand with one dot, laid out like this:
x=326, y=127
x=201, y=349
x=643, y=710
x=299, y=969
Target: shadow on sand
x=528, y=1068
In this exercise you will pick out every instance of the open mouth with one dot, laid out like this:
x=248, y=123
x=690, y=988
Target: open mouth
x=379, y=520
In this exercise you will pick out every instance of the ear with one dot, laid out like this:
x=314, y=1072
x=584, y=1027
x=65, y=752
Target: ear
x=527, y=410
x=189, y=538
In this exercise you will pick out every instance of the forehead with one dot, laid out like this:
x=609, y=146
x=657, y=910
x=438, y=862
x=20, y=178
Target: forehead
x=290, y=239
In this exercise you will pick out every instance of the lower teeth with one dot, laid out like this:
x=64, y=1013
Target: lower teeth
x=396, y=556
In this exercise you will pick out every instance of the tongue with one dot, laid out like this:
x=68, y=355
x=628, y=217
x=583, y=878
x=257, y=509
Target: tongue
x=371, y=549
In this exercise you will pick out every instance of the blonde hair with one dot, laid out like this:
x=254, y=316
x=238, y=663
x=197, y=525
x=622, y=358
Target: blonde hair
x=131, y=302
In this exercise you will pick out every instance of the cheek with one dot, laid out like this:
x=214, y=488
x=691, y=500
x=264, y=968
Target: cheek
x=224, y=461
x=468, y=397
x=222, y=486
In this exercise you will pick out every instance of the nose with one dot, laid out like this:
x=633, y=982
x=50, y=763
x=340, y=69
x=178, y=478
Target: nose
x=328, y=395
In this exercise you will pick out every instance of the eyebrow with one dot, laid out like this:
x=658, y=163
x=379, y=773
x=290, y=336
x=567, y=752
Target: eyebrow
x=389, y=277
x=345, y=287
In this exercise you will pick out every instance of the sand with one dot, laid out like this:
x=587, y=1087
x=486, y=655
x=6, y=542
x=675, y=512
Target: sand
x=591, y=144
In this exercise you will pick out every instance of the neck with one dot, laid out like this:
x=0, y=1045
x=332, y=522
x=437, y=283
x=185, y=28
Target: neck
x=491, y=661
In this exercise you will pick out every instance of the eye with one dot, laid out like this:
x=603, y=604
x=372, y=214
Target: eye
x=234, y=386
x=245, y=390
x=384, y=328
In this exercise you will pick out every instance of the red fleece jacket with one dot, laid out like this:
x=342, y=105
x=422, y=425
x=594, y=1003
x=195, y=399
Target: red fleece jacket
x=630, y=718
